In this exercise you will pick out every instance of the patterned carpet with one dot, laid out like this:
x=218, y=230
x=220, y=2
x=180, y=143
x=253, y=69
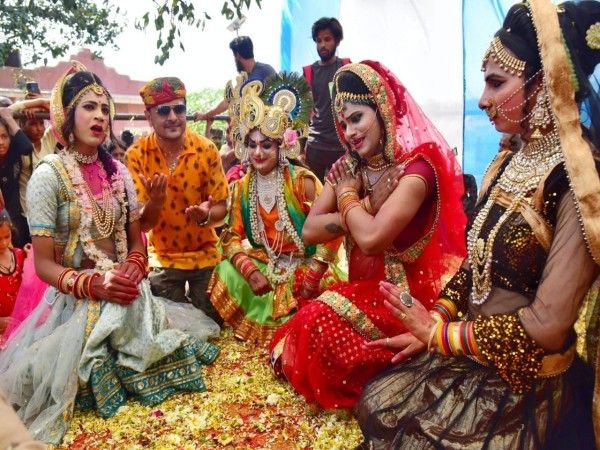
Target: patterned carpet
x=244, y=407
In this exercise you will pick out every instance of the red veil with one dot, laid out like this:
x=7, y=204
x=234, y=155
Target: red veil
x=409, y=135
x=321, y=349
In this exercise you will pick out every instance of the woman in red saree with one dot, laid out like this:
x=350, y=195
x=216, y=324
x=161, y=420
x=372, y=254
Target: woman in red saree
x=414, y=239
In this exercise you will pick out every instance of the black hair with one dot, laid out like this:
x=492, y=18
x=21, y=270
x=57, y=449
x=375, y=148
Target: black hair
x=243, y=46
x=114, y=143
x=127, y=138
x=519, y=36
x=74, y=85
x=328, y=23
x=6, y=220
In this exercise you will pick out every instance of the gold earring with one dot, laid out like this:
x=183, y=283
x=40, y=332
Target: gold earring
x=540, y=114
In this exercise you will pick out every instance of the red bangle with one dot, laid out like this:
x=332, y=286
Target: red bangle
x=89, y=286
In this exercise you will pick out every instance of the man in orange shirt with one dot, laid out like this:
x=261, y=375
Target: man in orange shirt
x=180, y=180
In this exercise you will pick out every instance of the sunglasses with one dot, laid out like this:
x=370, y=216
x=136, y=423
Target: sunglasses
x=165, y=110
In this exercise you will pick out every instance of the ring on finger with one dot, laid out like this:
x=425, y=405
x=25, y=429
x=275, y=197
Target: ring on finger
x=406, y=299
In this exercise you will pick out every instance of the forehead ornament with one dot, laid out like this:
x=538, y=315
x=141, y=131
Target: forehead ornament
x=503, y=58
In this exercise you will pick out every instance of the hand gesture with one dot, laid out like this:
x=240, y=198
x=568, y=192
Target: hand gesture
x=408, y=309
x=382, y=191
x=406, y=344
x=340, y=176
x=259, y=283
x=199, y=213
x=156, y=187
x=115, y=287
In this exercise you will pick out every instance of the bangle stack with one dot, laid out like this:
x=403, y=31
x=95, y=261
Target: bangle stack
x=444, y=310
x=244, y=265
x=455, y=338
x=347, y=200
x=139, y=259
x=78, y=284
x=313, y=275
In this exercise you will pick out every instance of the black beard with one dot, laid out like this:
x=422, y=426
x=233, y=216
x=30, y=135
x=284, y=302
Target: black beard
x=327, y=56
x=238, y=66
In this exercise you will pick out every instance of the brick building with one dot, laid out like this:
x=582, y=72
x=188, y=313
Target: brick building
x=124, y=90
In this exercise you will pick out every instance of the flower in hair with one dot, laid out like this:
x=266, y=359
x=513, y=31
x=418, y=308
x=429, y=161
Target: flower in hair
x=290, y=137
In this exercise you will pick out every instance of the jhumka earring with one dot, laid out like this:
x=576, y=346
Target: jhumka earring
x=71, y=140
x=540, y=114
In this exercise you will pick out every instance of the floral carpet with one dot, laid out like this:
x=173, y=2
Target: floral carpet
x=244, y=407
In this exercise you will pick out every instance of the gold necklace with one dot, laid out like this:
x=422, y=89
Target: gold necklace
x=522, y=174
x=104, y=216
x=378, y=163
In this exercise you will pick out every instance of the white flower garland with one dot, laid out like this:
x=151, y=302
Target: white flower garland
x=283, y=225
x=101, y=259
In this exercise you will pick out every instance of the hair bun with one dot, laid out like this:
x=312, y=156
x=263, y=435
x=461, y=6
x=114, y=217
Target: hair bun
x=580, y=23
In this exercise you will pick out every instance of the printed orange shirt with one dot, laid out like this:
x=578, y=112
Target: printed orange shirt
x=175, y=241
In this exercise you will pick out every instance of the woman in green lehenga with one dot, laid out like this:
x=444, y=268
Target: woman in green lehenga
x=258, y=287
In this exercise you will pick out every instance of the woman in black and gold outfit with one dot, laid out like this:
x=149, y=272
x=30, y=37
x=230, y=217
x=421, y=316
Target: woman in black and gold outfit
x=506, y=368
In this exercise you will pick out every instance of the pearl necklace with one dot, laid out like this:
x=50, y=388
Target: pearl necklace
x=267, y=189
x=103, y=216
x=85, y=159
x=522, y=174
x=279, y=270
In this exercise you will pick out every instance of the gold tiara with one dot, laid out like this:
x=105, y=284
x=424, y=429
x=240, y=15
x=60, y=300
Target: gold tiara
x=342, y=97
x=94, y=87
x=503, y=58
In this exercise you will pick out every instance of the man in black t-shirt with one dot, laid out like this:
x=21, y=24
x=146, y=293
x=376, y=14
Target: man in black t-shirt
x=323, y=146
x=243, y=54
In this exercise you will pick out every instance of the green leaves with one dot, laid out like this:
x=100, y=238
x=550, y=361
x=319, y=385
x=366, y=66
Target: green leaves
x=43, y=28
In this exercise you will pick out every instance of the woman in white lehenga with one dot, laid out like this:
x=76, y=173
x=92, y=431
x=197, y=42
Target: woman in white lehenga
x=98, y=336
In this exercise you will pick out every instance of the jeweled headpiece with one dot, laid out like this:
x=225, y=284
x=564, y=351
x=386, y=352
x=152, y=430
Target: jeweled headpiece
x=162, y=90
x=280, y=108
x=59, y=112
x=377, y=96
x=503, y=58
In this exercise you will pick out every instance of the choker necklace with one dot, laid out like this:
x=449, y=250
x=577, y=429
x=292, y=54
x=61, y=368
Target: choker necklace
x=266, y=185
x=522, y=175
x=84, y=159
x=377, y=162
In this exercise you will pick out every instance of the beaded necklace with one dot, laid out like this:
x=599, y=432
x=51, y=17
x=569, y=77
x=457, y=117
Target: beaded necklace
x=278, y=269
x=522, y=174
